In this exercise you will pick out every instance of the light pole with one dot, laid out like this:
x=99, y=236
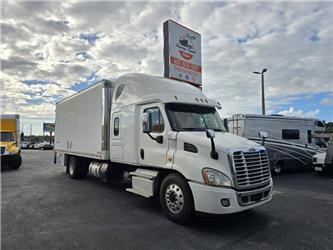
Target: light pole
x=30, y=129
x=262, y=89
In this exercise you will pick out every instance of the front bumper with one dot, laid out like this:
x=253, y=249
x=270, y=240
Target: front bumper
x=207, y=199
x=6, y=158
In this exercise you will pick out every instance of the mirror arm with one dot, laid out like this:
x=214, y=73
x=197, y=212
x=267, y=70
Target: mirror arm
x=213, y=153
x=211, y=134
x=158, y=139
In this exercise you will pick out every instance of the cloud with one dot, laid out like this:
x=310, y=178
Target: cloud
x=15, y=62
x=327, y=101
x=299, y=113
x=63, y=44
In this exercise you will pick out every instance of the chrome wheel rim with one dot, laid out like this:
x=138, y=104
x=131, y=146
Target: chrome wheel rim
x=277, y=169
x=174, y=198
x=71, y=169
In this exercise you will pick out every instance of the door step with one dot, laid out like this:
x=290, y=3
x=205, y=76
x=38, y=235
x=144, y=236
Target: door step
x=143, y=182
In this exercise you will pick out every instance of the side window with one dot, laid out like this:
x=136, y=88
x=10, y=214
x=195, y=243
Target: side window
x=319, y=124
x=320, y=143
x=116, y=126
x=290, y=134
x=157, y=119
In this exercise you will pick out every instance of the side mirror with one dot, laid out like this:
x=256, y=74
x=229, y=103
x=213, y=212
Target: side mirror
x=210, y=133
x=147, y=123
x=225, y=124
x=263, y=134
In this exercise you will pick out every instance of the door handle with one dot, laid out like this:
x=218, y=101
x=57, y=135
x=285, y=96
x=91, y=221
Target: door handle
x=142, y=153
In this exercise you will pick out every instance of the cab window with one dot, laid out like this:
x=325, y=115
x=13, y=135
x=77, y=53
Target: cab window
x=157, y=119
x=116, y=126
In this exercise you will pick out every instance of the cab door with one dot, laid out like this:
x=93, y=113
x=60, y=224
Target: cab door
x=152, y=152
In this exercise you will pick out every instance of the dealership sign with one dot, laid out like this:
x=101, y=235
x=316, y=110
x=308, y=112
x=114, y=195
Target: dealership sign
x=182, y=53
x=48, y=127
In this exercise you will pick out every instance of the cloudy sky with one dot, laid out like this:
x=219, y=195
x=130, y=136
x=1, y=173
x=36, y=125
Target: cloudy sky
x=50, y=50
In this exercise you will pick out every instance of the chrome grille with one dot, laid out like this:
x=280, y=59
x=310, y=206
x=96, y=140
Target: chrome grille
x=251, y=168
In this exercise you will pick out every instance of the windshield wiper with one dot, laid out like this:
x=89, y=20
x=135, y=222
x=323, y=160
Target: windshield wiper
x=217, y=129
x=191, y=129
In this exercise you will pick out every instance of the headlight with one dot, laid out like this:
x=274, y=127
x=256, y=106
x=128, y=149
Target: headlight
x=215, y=178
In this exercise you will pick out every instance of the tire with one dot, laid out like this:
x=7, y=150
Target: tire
x=277, y=168
x=326, y=171
x=17, y=163
x=176, y=199
x=76, y=169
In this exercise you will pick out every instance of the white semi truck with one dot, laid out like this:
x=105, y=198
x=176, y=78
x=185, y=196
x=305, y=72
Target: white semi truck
x=166, y=136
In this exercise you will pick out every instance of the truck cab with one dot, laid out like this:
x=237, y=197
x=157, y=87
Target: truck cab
x=9, y=141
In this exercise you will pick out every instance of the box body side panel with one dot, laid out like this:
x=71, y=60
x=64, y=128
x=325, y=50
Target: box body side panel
x=79, y=123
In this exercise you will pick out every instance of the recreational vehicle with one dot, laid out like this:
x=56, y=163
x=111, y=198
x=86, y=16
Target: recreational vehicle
x=291, y=141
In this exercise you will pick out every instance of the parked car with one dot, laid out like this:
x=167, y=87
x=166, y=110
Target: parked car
x=25, y=145
x=33, y=146
x=46, y=146
x=323, y=162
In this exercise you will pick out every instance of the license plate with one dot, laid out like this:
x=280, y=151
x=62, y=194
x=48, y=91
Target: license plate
x=318, y=168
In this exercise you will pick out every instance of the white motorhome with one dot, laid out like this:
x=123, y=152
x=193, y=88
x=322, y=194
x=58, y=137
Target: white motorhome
x=168, y=137
x=291, y=141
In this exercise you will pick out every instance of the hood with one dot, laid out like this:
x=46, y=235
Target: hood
x=7, y=143
x=223, y=141
x=10, y=147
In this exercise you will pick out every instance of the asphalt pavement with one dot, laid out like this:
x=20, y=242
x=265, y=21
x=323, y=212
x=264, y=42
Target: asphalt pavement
x=41, y=208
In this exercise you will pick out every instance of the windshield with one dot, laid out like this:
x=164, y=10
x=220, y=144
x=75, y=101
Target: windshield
x=6, y=136
x=320, y=142
x=185, y=117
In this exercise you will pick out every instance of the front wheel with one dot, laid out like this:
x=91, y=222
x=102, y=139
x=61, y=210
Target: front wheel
x=16, y=163
x=277, y=168
x=176, y=199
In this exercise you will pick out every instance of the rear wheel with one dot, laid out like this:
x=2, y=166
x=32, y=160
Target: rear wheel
x=76, y=168
x=176, y=199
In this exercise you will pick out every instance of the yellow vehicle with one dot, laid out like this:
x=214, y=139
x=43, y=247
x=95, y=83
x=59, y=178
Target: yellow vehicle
x=9, y=141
